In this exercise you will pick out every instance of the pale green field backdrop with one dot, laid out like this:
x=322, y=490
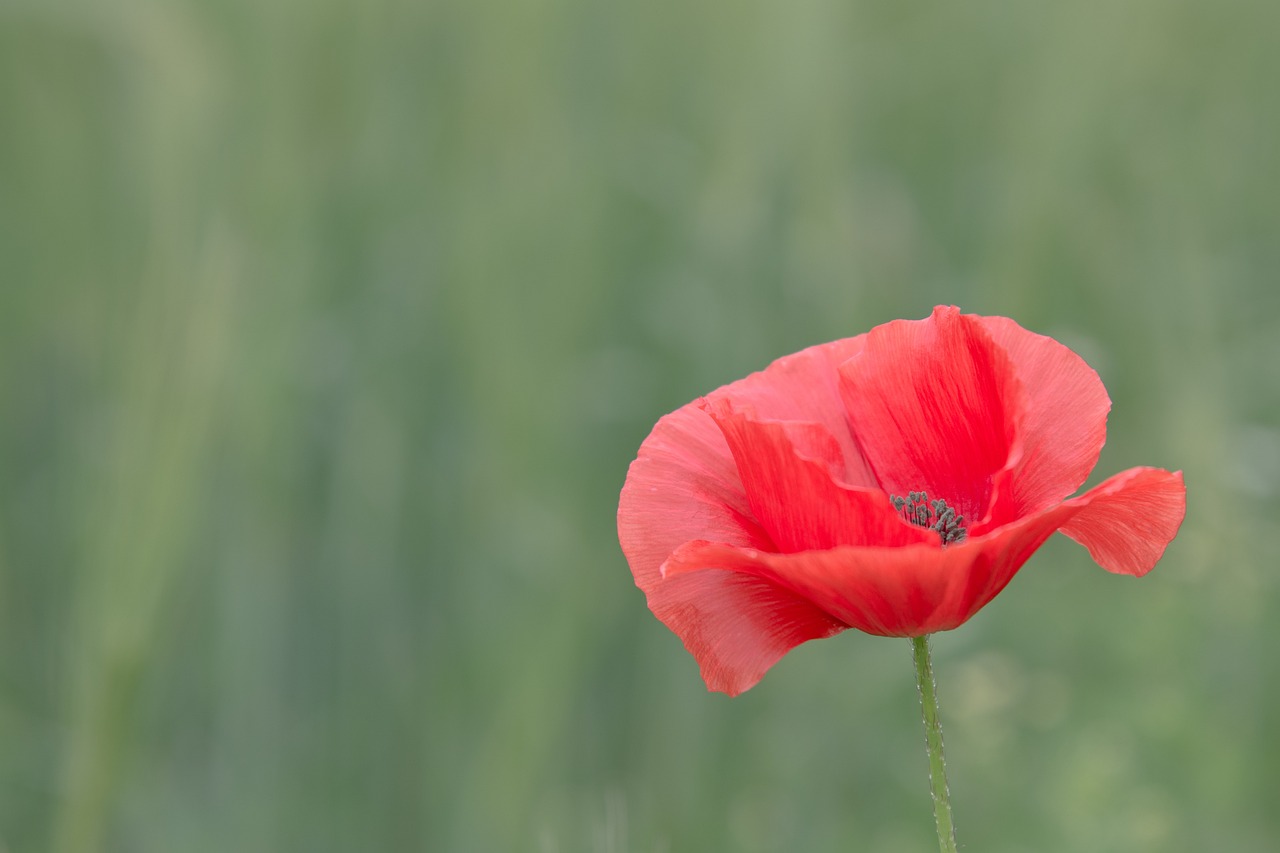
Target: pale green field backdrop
x=328, y=330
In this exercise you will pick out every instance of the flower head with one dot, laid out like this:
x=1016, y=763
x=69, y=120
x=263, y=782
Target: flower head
x=893, y=482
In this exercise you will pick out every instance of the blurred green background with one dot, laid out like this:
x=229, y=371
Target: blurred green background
x=328, y=330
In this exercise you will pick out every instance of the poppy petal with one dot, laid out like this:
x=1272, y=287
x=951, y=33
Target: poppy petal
x=786, y=471
x=883, y=591
x=737, y=626
x=682, y=485
x=805, y=387
x=935, y=406
x=892, y=592
x=1065, y=423
x=1129, y=520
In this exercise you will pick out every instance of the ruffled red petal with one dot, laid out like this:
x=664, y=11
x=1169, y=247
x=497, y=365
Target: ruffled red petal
x=892, y=592
x=682, y=485
x=1064, y=425
x=1129, y=520
x=805, y=387
x=787, y=471
x=737, y=626
x=935, y=406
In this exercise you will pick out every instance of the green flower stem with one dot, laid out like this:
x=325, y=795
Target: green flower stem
x=933, y=740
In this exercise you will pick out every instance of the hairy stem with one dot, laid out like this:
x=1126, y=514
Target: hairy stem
x=933, y=741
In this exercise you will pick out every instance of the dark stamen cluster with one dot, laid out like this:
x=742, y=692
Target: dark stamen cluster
x=935, y=515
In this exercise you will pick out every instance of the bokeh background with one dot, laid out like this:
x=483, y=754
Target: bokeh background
x=328, y=330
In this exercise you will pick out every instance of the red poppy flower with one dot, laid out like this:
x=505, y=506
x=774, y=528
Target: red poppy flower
x=893, y=482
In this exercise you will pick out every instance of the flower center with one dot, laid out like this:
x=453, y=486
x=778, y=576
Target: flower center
x=934, y=515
